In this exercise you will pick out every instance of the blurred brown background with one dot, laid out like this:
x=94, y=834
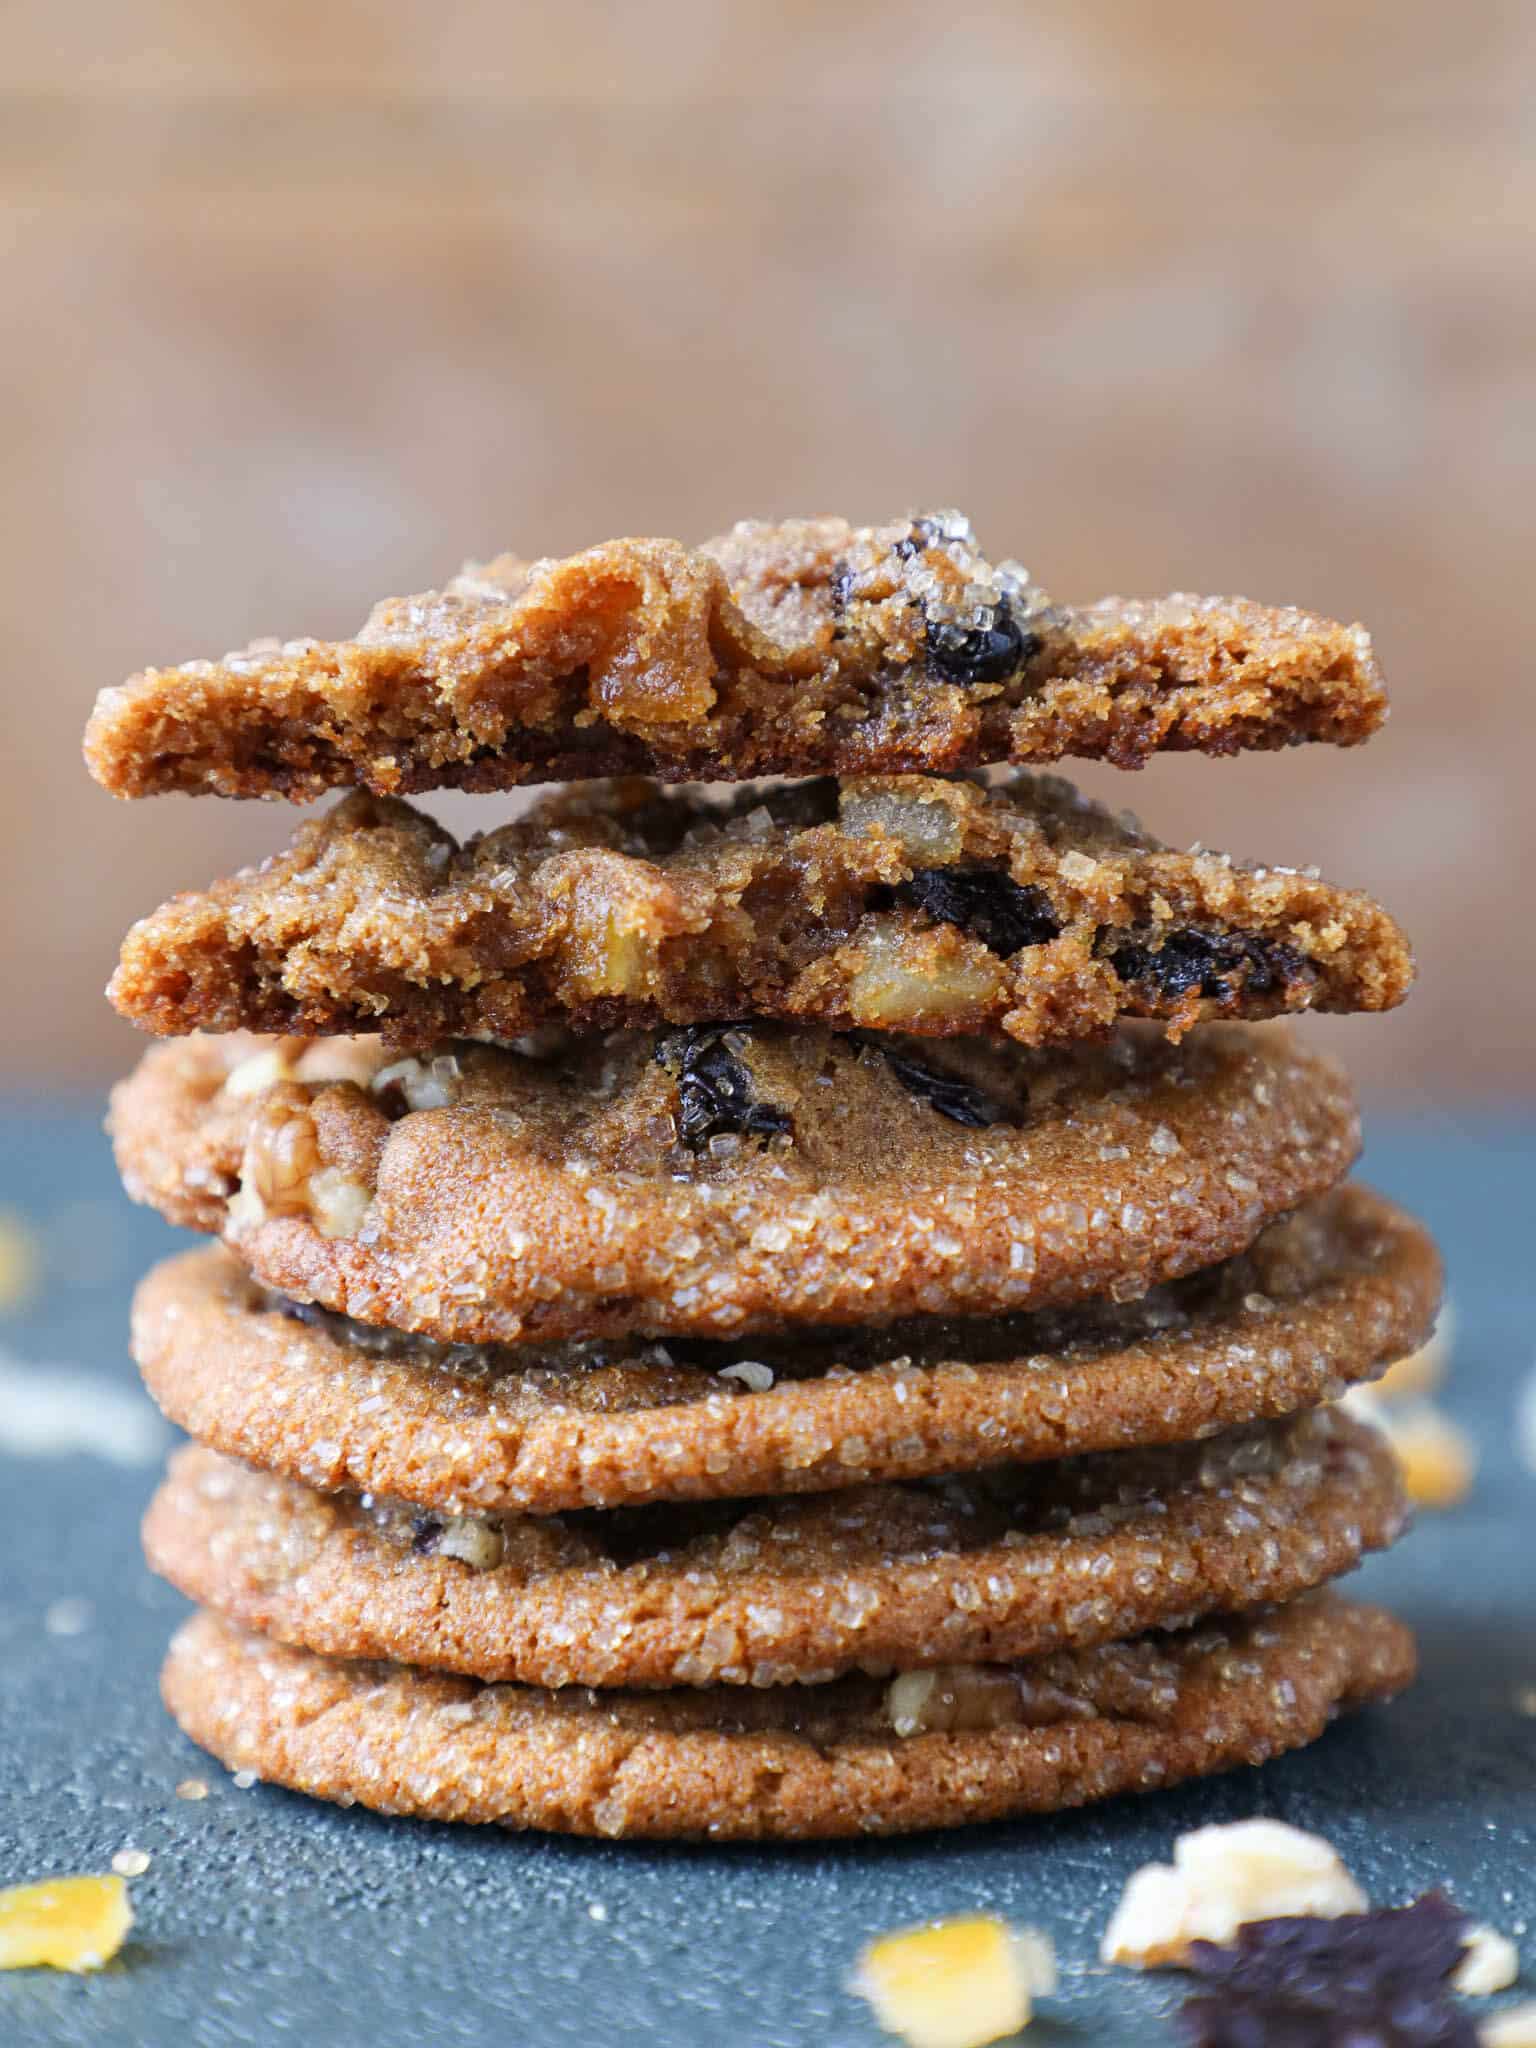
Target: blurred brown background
x=303, y=303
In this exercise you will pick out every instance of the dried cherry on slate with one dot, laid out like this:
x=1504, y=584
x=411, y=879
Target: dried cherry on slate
x=1364, y=1980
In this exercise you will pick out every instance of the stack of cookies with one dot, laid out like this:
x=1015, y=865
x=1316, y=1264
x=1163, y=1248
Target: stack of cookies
x=803, y=1310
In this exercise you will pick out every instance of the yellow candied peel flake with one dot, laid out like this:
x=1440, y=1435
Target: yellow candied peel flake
x=1422, y=1371
x=63, y=1923
x=1437, y=1461
x=20, y=1260
x=956, y=1983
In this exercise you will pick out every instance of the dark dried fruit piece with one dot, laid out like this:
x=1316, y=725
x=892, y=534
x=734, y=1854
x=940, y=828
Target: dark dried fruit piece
x=714, y=1088
x=1364, y=1980
x=992, y=907
x=1211, y=964
x=962, y=1101
x=988, y=653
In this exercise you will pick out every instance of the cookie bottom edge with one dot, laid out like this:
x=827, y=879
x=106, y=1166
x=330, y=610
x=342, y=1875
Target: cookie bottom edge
x=670, y=1765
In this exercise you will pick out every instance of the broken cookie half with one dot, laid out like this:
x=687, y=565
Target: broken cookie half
x=886, y=903
x=804, y=648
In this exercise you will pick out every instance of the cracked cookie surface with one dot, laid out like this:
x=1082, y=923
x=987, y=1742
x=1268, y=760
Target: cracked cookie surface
x=1005, y=1564
x=890, y=903
x=808, y=647
x=711, y=1181
x=1324, y=1298
x=786, y=1762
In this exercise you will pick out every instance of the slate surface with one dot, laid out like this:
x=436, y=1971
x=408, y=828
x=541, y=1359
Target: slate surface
x=264, y=1918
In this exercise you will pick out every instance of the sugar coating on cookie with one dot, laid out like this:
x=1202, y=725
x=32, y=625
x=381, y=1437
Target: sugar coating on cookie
x=709, y=1181
x=887, y=903
x=785, y=1762
x=1009, y=1563
x=1324, y=1298
x=807, y=647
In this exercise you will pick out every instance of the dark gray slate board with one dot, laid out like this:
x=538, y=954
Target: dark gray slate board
x=264, y=1918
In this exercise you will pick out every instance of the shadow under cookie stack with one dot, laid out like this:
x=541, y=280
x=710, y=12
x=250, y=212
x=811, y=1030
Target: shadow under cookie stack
x=806, y=1311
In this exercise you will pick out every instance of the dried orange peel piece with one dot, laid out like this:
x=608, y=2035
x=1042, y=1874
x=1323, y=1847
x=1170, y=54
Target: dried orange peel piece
x=957, y=1983
x=63, y=1923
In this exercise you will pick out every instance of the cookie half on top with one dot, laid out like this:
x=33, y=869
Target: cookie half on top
x=807, y=648
x=884, y=903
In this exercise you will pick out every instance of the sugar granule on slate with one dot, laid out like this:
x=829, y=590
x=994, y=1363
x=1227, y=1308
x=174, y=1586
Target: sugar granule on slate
x=1364, y=1980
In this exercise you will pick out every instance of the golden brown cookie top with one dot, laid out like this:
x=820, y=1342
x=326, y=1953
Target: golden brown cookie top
x=1324, y=1298
x=787, y=1761
x=710, y=1180
x=908, y=903
x=807, y=647
x=989, y=1567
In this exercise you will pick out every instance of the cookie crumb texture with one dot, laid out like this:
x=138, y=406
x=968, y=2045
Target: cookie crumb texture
x=753, y=1179
x=806, y=648
x=1323, y=1298
x=785, y=1762
x=897, y=903
x=63, y=1923
x=1009, y=1564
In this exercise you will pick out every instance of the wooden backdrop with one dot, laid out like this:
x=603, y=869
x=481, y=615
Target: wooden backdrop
x=303, y=303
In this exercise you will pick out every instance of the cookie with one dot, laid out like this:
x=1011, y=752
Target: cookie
x=1325, y=1298
x=894, y=903
x=859, y=1756
x=810, y=647
x=989, y=1569
x=713, y=1180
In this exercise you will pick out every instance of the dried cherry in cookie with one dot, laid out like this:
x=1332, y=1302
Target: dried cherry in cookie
x=714, y=1088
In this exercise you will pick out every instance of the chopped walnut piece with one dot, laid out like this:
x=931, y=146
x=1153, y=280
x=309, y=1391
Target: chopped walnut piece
x=263, y=1070
x=1515, y=2028
x=1490, y=1962
x=425, y=1084
x=952, y=1698
x=282, y=1174
x=63, y=1923
x=474, y=1542
x=958, y=1983
x=1221, y=1878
